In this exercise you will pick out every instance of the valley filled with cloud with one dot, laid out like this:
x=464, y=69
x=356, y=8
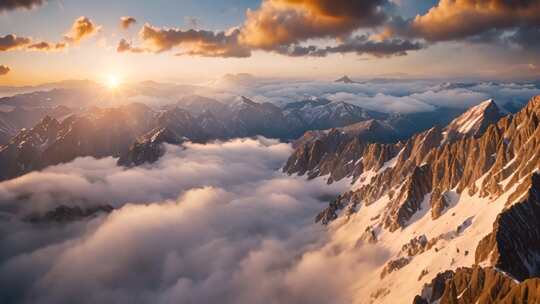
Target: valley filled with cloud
x=206, y=223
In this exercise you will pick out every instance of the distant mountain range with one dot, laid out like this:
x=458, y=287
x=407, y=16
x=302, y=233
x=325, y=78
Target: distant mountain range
x=98, y=132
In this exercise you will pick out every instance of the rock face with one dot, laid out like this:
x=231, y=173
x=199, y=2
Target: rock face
x=415, y=246
x=432, y=163
x=409, y=199
x=342, y=152
x=415, y=188
x=150, y=147
x=120, y=132
x=98, y=133
x=11, y=122
x=395, y=265
x=478, y=285
x=65, y=214
x=320, y=114
x=475, y=121
x=514, y=244
x=345, y=79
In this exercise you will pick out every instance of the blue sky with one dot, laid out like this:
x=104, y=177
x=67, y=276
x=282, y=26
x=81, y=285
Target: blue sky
x=95, y=56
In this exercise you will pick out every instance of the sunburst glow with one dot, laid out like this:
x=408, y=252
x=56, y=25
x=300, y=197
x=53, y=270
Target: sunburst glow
x=113, y=81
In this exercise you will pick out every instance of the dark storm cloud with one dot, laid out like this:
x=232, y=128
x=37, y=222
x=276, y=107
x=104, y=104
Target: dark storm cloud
x=8, y=5
x=4, y=69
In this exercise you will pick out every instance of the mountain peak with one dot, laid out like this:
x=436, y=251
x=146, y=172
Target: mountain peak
x=345, y=79
x=248, y=101
x=476, y=119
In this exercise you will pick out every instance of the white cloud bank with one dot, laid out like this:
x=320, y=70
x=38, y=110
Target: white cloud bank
x=385, y=95
x=212, y=223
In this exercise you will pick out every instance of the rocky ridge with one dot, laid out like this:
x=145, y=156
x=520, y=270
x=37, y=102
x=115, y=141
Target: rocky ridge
x=425, y=186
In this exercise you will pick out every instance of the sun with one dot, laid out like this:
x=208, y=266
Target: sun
x=113, y=81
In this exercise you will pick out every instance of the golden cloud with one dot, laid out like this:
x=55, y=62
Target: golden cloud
x=192, y=42
x=82, y=28
x=286, y=22
x=4, y=69
x=458, y=19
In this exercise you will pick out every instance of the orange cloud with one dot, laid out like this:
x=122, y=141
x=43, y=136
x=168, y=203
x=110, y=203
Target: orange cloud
x=286, y=22
x=282, y=26
x=193, y=42
x=126, y=22
x=4, y=69
x=82, y=28
x=458, y=19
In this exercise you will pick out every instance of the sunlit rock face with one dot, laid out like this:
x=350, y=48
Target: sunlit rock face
x=428, y=180
x=448, y=162
x=478, y=285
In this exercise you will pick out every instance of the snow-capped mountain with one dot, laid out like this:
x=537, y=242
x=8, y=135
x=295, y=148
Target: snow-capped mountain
x=17, y=118
x=323, y=114
x=475, y=120
x=97, y=132
x=457, y=219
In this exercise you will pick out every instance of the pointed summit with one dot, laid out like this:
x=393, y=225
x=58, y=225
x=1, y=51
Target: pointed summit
x=345, y=79
x=475, y=120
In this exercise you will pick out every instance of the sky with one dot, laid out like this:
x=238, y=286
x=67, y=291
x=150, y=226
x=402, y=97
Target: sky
x=191, y=41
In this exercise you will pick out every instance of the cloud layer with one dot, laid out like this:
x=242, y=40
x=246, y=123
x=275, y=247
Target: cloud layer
x=384, y=95
x=211, y=223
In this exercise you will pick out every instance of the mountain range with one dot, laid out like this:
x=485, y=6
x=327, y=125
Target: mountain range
x=451, y=197
x=459, y=204
x=124, y=131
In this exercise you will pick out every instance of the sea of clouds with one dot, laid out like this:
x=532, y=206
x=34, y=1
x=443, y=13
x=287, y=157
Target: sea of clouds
x=392, y=96
x=384, y=95
x=215, y=223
